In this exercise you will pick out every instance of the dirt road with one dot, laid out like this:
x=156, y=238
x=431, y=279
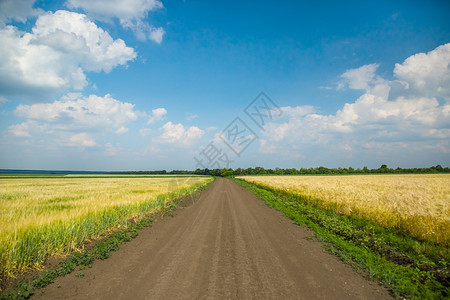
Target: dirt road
x=227, y=245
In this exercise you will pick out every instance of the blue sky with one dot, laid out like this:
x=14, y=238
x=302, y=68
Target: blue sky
x=149, y=84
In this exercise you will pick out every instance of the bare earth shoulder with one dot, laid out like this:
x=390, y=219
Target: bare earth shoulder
x=228, y=244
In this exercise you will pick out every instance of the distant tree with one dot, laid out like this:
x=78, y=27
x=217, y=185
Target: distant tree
x=260, y=170
x=322, y=170
x=226, y=172
x=279, y=171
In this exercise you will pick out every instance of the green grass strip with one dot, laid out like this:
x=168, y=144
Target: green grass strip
x=410, y=268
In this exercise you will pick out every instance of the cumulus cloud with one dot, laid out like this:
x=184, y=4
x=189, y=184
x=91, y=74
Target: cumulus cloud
x=157, y=115
x=73, y=121
x=81, y=113
x=131, y=15
x=19, y=11
x=375, y=122
x=358, y=79
x=427, y=74
x=55, y=56
x=178, y=134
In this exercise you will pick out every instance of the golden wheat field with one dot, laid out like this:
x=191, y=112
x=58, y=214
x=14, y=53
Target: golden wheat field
x=45, y=216
x=418, y=205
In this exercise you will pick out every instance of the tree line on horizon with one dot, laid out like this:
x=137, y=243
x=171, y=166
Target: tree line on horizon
x=384, y=169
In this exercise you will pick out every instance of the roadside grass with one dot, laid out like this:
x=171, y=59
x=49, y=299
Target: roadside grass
x=86, y=257
x=409, y=267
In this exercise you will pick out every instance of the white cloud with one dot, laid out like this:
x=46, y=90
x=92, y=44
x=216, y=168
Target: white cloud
x=131, y=14
x=374, y=121
x=28, y=129
x=74, y=119
x=75, y=33
x=56, y=54
x=3, y=100
x=178, y=134
x=157, y=115
x=122, y=129
x=80, y=113
x=358, y=79
x=20, y=130
x=194, y=132
x=123, y=10
x=297, y=111
x=427, y=74
x=81, y=139
x=156, y=34
x=17, y=10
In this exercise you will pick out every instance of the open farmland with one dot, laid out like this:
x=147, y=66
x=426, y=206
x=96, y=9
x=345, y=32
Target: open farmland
x=418, y=205
x=49, y=215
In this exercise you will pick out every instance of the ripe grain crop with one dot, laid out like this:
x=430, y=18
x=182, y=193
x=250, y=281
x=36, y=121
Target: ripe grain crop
x=45, y=216
x=417, y=205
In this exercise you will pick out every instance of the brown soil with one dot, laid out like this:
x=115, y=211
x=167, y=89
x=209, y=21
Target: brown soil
x=228, y=244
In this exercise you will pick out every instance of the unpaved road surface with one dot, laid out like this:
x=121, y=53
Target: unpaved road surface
x=226, y=245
